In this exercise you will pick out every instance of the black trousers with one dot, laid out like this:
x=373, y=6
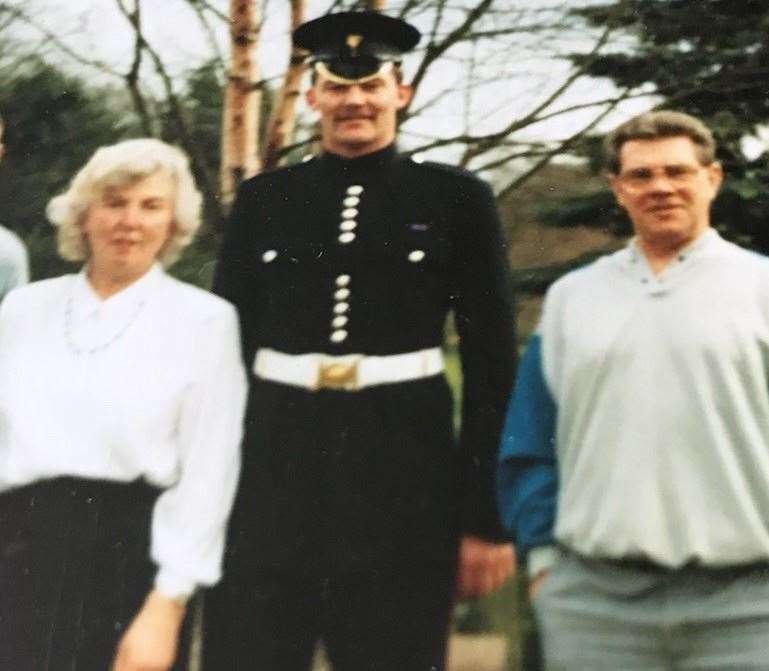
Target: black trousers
x=74, y=571
x=369, y=620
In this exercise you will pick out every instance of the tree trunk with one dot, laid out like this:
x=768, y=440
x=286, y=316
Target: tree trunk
x=240, y=124
x=280, y=129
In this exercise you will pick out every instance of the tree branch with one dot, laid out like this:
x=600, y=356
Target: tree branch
x=560, y=149
x=533, y=115
x=53, y=38
x=199, y=8
x=174, y=104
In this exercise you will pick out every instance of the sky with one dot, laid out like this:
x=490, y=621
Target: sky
x=96, y=28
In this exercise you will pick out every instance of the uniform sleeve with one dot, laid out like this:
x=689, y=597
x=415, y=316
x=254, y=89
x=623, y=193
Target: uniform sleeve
x=190, y=518
x=527, y=480
x=234, y=275
x=484, y=320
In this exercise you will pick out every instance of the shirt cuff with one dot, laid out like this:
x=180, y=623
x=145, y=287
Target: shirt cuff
x=542, y=558
x=174, y=585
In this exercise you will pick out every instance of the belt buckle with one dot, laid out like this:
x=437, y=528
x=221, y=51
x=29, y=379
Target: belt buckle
x=338, y=375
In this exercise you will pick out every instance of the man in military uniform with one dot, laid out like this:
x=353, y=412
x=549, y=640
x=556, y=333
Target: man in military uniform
x=359, y=519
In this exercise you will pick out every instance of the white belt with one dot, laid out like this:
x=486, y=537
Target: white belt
x=349, y=372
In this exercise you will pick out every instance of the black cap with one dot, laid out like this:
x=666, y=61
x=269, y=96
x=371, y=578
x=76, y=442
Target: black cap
x=354, y=46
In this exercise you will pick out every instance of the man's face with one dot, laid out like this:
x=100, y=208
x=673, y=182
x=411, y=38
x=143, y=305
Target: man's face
x=665, y=189
x=357, y=119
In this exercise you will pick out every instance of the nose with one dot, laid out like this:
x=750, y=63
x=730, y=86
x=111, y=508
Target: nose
x=354, y=95
x=130, y=217
x=659, y=182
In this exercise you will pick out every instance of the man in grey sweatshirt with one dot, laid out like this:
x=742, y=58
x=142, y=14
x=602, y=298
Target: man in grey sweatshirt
x=634, y=470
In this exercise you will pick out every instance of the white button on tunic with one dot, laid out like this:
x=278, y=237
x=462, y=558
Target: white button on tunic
x=338, y=336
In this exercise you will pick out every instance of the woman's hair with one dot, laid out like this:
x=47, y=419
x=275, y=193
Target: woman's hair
x=117, y=166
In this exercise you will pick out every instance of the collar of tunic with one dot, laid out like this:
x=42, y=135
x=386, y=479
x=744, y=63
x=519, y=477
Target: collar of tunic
x=369, y=162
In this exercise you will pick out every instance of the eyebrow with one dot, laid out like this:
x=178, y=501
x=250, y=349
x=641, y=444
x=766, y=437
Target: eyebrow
x=666, y=166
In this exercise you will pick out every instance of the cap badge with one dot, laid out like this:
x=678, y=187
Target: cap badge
x=353, y=41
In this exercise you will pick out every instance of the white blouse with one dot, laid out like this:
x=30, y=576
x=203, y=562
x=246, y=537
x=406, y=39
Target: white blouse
x=148, y=384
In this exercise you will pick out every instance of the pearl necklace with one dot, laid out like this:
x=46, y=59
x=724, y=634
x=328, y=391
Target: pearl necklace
x=76, y=349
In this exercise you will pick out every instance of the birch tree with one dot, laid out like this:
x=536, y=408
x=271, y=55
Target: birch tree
x=240, y=123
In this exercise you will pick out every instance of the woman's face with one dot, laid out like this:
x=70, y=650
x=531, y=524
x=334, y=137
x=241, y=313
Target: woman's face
x=128, y=226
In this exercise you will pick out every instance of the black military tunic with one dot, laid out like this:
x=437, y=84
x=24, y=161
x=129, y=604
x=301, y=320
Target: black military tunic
x=367, y=255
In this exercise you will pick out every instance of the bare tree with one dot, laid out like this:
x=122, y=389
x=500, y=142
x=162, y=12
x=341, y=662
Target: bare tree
x=492, y=65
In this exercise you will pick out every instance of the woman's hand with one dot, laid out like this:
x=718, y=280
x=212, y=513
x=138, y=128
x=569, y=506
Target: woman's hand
x=150, y=642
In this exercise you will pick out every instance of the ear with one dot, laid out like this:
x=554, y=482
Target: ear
x=312, y=98
x=616, y=187
x=715, y=176
x=405, y=93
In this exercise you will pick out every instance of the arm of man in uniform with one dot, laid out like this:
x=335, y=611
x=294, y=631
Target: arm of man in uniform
x=527, y=479
x=233, y=276
x=484, y=319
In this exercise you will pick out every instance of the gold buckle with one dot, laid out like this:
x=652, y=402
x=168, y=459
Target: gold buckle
x=338, y=375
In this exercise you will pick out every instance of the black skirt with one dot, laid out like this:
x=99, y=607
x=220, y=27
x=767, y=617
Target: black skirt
x=74, y=571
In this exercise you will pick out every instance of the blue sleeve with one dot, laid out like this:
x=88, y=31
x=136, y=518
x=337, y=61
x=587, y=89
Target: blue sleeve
x=527, y=478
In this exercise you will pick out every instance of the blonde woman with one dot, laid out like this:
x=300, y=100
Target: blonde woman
x=121, y=401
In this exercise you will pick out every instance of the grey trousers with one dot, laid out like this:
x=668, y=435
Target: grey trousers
x=600, y=616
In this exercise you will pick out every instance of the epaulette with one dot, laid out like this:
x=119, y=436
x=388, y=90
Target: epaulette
x=282, y=170
x=445, y=168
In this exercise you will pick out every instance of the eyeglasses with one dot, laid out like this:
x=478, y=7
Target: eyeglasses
x=676, y=174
